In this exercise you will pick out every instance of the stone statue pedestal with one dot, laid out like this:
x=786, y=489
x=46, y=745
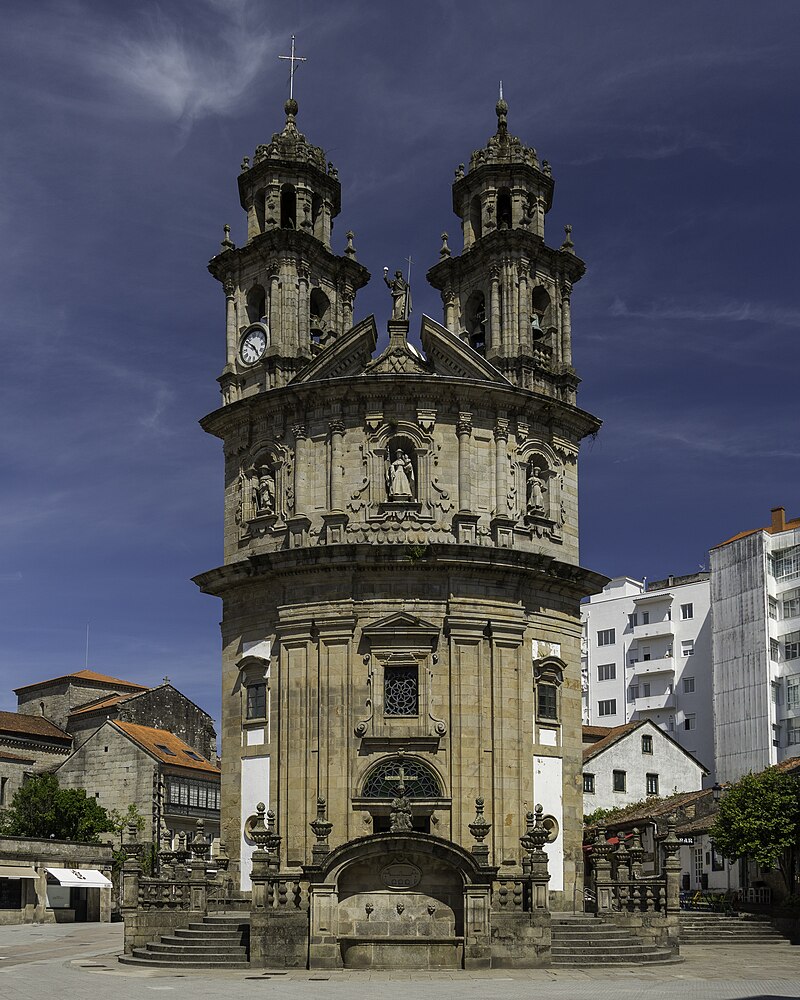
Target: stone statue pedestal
x=335, y=524
x=465, y=528
x=298, y=530
x=503, y=531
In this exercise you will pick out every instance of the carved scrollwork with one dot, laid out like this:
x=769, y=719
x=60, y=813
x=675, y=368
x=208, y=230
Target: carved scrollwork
x=359, y=498
x=363, y=725
x=442, y=499
x=439, y=725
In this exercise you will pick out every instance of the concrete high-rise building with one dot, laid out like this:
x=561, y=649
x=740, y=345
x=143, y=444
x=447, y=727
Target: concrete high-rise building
x=755, y=601
x=647, y=655
x=401, y=584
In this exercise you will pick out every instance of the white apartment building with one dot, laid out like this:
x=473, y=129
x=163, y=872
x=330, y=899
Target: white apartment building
x=755, y=594
x=647, y=655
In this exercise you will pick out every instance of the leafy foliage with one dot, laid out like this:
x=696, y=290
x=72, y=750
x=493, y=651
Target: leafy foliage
x=759, y=817
x=41, y=808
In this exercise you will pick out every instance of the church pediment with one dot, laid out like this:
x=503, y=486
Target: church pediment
x=349, y=355
x=450, y=355
x=401, y=627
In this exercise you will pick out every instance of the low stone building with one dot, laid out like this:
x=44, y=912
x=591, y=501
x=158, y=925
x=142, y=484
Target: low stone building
x=28, y=744
x=54, y=881
x=169, y=782
x=626, y=764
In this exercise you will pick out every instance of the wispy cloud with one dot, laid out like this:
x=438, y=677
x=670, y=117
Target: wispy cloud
x=728, y=312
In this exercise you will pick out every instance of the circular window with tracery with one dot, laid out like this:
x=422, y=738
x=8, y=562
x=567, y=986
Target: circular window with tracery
x=383, y=780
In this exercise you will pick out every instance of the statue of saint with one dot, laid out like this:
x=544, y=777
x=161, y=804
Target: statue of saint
x=264, y=492
x=536, y=491
x=400, y=815
x=401, y=294
x=400, y=477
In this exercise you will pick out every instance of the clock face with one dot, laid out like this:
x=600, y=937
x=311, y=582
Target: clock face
x=253, y=345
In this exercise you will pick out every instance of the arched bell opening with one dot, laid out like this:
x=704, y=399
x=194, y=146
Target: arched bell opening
x=288, y=207
x=256, y=304
x=258, y=203
x=475, y=315
x=541, y=313
x=476, y=218
x=504, y=208
x=319, y=307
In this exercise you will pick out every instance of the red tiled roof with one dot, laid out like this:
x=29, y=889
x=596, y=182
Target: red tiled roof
x=31, y=725
x=16, y=758
x=87, y=675
x=100, y=703
x=613, y=734
x=788, y=526
x=167, y=747
x=591, y=734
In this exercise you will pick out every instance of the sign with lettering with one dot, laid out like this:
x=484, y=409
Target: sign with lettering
x=401, y=875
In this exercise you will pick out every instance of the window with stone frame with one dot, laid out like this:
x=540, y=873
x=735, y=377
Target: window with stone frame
x=652, y=784
x=256, y=701
x=547, y=702
x=548, y=675
x=401, y=690
x=647, y=743
x=383, y=780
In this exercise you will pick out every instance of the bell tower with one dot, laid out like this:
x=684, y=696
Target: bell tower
x=508, y=293
x=288, y=295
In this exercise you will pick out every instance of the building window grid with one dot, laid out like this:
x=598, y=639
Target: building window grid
x=606, y=671
x=607, y=707
x=547, y=702
x=791, y=646
x=793, y=732
x=793, y=691
x=652, y=784
x=195, y=794
x=687, y=647
x=401, y=691
x=256, y=701
x=688, y=685
x=606, y=637
x=790, y=604
x=588, y=784
x=689, y=722
x=687, y=611
x=786, y=563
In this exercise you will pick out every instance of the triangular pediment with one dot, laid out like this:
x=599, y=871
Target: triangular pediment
x=452, y=356
x=400, y=623
x=348, y=355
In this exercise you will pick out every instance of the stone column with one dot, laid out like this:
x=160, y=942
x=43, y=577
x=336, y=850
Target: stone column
x=495, y=338
x=601, y=857
x=448, y=297
x=566, y=325
x=347, y=296
x=326, y=223
x=524, y=307
x=672, y=867
x=299, y=522
x=303, y=307
x=273, y=308
x=230, y=319
x=337, y=465
x=501, y=467
x=464, y=432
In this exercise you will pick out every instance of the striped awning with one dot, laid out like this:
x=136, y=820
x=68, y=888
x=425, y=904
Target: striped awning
x=9, y=870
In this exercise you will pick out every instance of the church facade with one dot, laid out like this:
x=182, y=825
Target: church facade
x=401, y=582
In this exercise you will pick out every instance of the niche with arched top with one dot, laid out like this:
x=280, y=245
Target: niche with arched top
x=542, y=310
x=288, y=207
x=319, y=307
x=504, y=208
x=476, y=218
x=475, y=318
x=401, y=470
x=256, y=304
x=538, y=485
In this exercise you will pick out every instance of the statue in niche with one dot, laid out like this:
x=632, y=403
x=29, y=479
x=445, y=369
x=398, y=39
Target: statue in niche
x=401, y=294
x=264, y=492
x=400, y=477
x=536, y=490
x=400, y=815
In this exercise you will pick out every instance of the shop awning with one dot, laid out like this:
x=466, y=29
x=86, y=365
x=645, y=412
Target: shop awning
x=8, y=870
x=89, y=878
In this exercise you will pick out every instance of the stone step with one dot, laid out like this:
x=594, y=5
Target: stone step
x=234, y=934
x=226, y=918
x=732, y=939
x=655, y=957
x=577, y=950
x=180, y=946
x=184, y=957
x=170, y=962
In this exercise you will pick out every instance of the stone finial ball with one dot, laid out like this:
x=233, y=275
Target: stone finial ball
x=290, y=107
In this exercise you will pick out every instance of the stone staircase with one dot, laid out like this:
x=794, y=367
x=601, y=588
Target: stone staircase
x=584, y=940
x=715, y=928
x=219, y=942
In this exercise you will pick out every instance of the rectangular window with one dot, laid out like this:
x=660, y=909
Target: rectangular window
x=632, y=620
x=671, y=724
x=776, y=736
x=619, y=781
x=633, y=692
x=786, y=563
x=645, y=652
x=774, y=649
x=688, y=685
x=793, y=691
x=3, y=783
x=772, y=607
x=647, y=744
x=793, y=733
x=547, y=702
x=588, y=783
x=790, y=604
x=645, y=618
x=401, y=691
x=256, y=701
x=690, y=722
x=652, y=784
x=776, y=692
x=687, y=612
x=607, y=707
x=717, y=861
x=606, y=637
x=687, y=647
x=606, y=671
x=166, y=750
x=645, y=689
x=791, y=646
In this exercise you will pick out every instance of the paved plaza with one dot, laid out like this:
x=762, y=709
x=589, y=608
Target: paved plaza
x=55, y=961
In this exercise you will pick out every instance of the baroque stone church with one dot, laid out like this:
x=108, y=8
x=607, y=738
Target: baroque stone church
x=401, y=583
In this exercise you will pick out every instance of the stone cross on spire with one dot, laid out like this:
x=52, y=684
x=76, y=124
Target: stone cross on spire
x=292, y=60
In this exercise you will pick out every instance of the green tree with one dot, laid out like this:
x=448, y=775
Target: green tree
x=41, y=808
x=759, y=818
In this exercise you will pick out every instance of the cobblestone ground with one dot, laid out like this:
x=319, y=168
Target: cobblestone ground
x=39, y=963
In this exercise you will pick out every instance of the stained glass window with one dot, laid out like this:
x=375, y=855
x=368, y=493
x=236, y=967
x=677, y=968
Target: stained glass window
x=383, y=780
x=400, y=691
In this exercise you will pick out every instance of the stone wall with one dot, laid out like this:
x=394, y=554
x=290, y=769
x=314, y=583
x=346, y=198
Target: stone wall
x=164, y=707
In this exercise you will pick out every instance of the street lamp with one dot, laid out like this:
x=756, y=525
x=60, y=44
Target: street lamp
x=716, y=791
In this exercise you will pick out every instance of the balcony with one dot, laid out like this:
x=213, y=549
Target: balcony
x=662, y=665
x=653, y=629
x=655, y=702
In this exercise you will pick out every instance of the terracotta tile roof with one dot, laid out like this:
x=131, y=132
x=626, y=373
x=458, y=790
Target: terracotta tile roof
x=86, y=675
x=639, y=812
x=100, y=703
x=166, y=747
x=31, y=725
x=16, y=758
x=613, y=734
x=789, y=525
x=790, y=764
x=591, y=734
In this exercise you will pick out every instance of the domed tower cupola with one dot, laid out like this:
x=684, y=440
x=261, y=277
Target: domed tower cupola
x=508, y=294
x=288, y=294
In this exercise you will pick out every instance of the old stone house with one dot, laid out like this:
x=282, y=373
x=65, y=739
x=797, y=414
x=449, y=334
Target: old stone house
x=28, y=744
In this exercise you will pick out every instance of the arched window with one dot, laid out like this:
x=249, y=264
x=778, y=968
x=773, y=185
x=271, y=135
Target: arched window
x=541, y=312
x=318, y=310
x=383, y=780
x=256, y=304
x=504, y=208
x=475, y=314
x=288, y=207
x=476, y=218
x=258, y=203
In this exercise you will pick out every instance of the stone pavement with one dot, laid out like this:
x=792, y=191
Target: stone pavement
x=53, y=961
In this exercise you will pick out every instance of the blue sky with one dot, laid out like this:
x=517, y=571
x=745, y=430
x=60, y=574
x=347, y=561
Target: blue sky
x=673, y=134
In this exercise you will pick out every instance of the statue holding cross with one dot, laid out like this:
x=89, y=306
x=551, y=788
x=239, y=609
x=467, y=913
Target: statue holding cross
x=400, y=815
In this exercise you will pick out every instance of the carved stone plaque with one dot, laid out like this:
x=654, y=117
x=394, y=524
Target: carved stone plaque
x=400, y=875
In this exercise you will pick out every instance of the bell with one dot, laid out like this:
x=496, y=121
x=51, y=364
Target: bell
x=536, y=331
